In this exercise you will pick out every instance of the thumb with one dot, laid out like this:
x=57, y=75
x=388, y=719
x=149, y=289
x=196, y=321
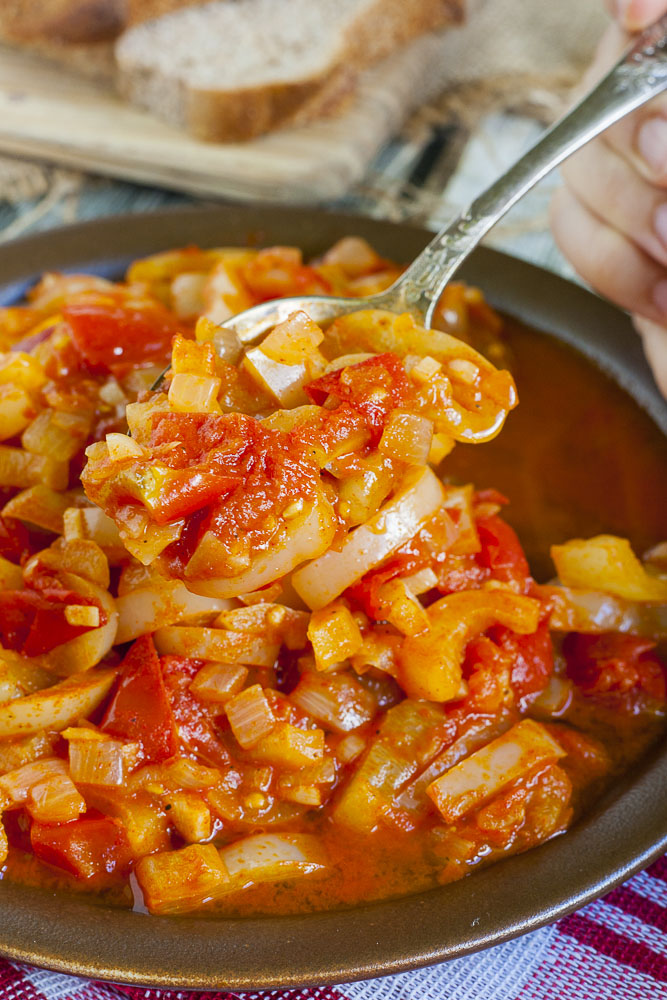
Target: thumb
x=654, y=338
x=634, y=15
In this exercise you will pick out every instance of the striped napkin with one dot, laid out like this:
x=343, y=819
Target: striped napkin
x=613, y=949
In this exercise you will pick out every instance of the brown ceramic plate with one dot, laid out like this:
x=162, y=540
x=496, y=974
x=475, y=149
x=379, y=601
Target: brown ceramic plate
x=622, y=834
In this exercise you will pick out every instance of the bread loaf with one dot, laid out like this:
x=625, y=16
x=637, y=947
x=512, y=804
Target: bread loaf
x=233, y=69
x=224, y=70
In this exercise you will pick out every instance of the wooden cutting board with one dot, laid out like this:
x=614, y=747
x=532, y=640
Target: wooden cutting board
x=48, y=114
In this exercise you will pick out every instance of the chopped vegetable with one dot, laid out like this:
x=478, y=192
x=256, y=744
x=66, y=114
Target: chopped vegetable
x=524, y=748
x=417, y=498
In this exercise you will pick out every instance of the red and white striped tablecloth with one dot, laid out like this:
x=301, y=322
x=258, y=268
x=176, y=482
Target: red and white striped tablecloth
x=613, y=949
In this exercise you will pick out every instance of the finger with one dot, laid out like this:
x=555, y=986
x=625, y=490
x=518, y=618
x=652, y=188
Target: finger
x=642, y=139
x=634, y=15
x=654, y=340
x=608, y=260
x=606, y=184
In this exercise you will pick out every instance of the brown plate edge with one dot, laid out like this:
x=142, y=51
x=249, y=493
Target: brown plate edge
x=511, y=898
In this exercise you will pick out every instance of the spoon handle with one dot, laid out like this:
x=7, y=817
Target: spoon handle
x=639, y=75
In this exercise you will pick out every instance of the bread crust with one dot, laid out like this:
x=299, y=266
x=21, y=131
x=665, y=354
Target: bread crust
x=212, y=115
x=72, y=22
x=217, y=115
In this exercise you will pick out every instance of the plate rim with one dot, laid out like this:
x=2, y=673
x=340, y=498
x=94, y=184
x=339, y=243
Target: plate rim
x=325, y=948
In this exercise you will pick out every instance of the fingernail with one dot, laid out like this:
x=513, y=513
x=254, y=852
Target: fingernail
x=652, y=144
x=660, y=223
x=633, y=15
x=660, y=296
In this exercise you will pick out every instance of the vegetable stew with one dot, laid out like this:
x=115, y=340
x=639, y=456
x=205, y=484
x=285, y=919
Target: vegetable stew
x=258, y=656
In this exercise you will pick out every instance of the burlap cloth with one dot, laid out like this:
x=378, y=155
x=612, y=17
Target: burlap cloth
x=516, y=55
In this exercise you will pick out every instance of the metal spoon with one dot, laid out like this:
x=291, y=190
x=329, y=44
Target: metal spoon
x=638, y=76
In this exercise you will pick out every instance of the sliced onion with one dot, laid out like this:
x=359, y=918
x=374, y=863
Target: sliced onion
x=489, y=770
x=218, y=682
x=40, y=505
x=217, y=644
x=409, y=736
x=479, y=732
x=149, y=608
x=93, y=524
x=338, y=701
x=97, y=762
x=55, y=800
x=554, y=698
x=419, y=495
x=56, y=707
x=593, y=611
x=250, y=716
x=16, y=785
x=268, y=857
x=306, y=537
x=407, y=438
x=421, y=581
x=350, y=747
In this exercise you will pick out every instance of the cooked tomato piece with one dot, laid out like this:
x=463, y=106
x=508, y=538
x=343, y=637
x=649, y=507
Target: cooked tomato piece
x=140, y=710
x=501, y=551
x=328, y=429
x=118, y=337
x=197, y=435
x=373, y=388
x=189, y=490
x=194, y=720
x=17, y=823
x=531, y=656
x=33, y=623
x=88, y=847
x=428, y=548
x=278, y=271
x=528, y=659
x=366, y=592
x=15, y=543
x=615, y=662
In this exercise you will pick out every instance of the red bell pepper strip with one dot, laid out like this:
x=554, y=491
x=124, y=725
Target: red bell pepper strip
x=140, y=710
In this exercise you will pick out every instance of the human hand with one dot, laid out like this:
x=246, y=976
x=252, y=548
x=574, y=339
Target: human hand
x=610, y=218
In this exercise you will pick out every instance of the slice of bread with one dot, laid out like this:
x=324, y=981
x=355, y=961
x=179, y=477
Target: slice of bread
x=230, y=70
